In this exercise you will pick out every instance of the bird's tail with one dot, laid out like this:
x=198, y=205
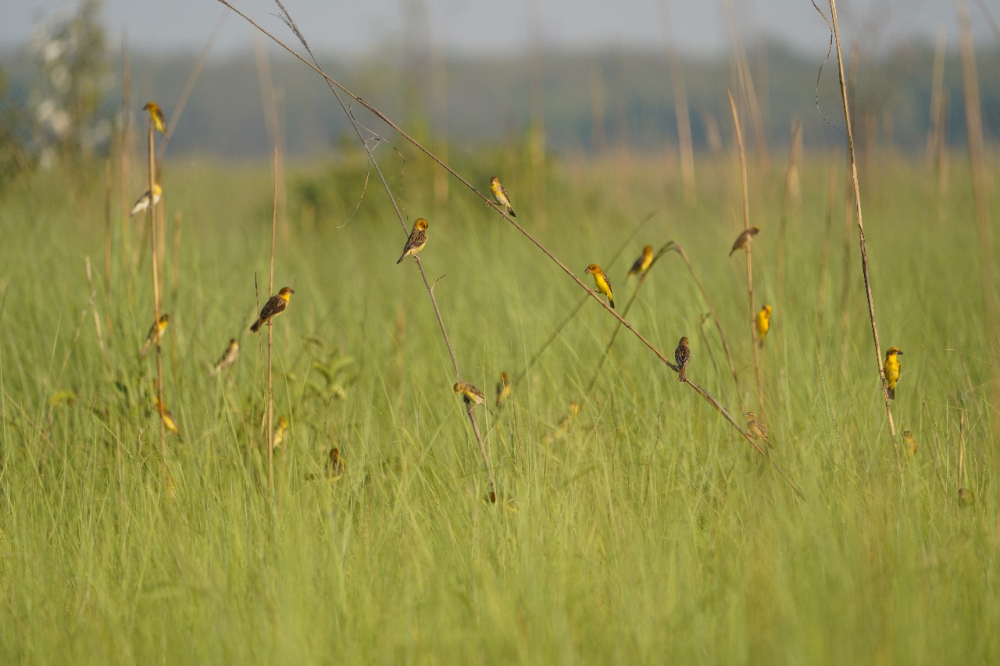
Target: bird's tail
x=891, y=391
x=256, y=325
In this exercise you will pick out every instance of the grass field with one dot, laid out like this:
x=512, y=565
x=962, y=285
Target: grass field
x=645, y=530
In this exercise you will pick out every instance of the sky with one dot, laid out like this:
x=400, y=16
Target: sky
x=477, y=27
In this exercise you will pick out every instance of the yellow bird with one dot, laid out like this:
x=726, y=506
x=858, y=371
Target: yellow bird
x=909, y=444
x=683, y=356
x=500, y=194
x=142, y=205
x=641, y=264
x=763, y=323
x=280, y=431
x=274, y=306
x=156, y=116
x=602, y=282
x=469, y=393
x=892, y=368
x=418, y=238
x=503, y=389
x=228, y=357
x=155, y=333
x=744, y=239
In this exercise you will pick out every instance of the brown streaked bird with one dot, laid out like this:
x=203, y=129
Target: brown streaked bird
x=228, y=357
x=469, y=393
x=155, y=334
x=602, y=283
x=500, y=194
x=744, y=239
x=641, y=264
x=274, y=307
x=683, y=356
x=418, y=238
x=892, y=368
x=503, y=389
x=756, y=428
x=156, y=115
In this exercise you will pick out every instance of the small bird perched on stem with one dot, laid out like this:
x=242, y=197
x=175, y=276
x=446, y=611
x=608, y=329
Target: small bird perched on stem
x=500, y=194
x=744, y=239
x=683, y=356
x=602, y=282
x=641, y=264
x=274, y=306
x=156, y=115
x=155, y=333
x=892, y=368
x=418, y=238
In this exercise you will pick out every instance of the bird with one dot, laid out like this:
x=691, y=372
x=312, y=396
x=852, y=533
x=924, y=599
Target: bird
x=280, y=430
x=641, y=264
x=156, y=115
x=471, y=394
x=909, y=444
x=763, y=323
x=756, y=428
x=892, y=368
x=744, y=239
x=602, y=282
x=142, y=205
x=335, y=466
x=683, y=356
x=155, y=333
x=274, y=306
x=228, y=357
x=503, y=389
x=500, y=194
x=418, y=238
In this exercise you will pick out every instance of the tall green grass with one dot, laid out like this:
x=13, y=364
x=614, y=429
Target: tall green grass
x=649, y=533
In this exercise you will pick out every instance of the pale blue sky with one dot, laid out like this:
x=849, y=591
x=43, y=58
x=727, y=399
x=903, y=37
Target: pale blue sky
x=480, y=27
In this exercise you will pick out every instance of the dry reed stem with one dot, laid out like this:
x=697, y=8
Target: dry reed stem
x=156, y=293
x=749, y=255
x=861, y=236
x=332, y=83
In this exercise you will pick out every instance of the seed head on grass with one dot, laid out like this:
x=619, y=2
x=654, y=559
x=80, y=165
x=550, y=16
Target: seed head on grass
x=763, y=323
x=500, y=194
x=602, y=282
x=641, y=264
x=418, y=238
x=683, y=356
x=744, y=239
x=274, y=306
x=503, y=389
x=156, y=332
x=156, y=115
x=142, y=205
x=892, y=368
x=228, y=357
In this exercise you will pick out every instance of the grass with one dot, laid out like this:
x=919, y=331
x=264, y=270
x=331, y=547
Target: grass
x=650, y=533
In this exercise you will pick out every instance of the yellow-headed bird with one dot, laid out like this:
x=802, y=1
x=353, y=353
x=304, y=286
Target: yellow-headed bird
x=641, y=264
x=470, y=393
x=602, y=282
x=228, y=357
x=156, y=115
x=909, y=444
x=274, y=306
x=155, y=333
x=500, y=194
x=142, y=205
x=418, y=238
x=503, y=389
x=683, y=356
x=891, y=368
x=763, y=323
x=744, y=239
